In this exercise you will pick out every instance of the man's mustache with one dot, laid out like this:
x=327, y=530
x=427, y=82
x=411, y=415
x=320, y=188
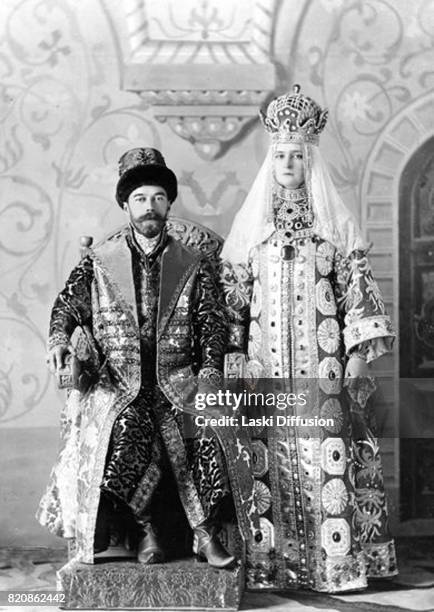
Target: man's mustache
x=151, y=216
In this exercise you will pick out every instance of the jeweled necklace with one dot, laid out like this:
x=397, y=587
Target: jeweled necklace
x=293, y=218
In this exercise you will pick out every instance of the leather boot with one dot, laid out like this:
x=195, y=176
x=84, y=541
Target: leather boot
x=208, y=547
x=148, y=549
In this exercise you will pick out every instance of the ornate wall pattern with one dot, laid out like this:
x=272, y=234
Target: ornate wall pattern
x=204, y=66
x=65, y=120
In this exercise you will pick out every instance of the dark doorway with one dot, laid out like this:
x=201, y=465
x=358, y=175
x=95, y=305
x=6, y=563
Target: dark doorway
x=416, y=325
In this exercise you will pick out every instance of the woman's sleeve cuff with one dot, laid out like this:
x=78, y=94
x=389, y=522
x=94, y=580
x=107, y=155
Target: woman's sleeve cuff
x=370, y=328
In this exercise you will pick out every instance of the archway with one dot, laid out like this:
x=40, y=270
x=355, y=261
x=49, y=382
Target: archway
x=416, y=325
x=401, y=139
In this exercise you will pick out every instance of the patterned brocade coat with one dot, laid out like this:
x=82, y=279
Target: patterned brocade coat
x=190, y=336
x=319, y=489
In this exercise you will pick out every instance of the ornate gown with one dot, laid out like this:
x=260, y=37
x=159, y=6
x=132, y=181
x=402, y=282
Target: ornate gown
x=319, y=490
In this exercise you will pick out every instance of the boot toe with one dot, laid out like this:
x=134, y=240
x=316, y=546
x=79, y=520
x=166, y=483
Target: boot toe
x=149, y=551
x=208, y=547
x=149, y=557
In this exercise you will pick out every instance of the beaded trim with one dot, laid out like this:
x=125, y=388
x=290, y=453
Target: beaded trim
x=284, y=137
x=289, y=194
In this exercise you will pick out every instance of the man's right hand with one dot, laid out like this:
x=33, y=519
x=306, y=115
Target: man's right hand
x=56, y=358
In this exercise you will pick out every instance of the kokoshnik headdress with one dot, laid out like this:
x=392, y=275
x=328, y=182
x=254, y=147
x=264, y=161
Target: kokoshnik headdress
x=293, y=118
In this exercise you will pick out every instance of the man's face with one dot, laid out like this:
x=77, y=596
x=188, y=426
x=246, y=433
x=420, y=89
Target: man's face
x=147, y=208
x=288, y=165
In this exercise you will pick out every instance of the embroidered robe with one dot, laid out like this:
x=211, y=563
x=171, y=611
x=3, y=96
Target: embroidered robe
x=189, y=336
x=319, y=490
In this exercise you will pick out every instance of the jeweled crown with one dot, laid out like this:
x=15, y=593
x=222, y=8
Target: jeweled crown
x=294, y=117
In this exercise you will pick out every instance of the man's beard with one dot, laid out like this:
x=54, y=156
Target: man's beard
x=149, y=224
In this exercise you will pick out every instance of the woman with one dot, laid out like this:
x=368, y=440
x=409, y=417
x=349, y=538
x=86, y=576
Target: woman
x=296, y=277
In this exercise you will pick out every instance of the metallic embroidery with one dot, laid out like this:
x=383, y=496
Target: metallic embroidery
x=324, y=514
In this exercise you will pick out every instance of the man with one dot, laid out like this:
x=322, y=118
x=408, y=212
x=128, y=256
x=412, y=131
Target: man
x=297, y=278
x=152, y=315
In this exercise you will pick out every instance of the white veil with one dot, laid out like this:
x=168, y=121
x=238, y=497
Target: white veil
x=332, y=219
x=253, y=223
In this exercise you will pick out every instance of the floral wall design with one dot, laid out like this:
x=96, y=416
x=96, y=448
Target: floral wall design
x=65, y=121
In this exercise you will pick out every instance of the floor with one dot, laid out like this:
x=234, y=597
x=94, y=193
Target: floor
x=413, y=589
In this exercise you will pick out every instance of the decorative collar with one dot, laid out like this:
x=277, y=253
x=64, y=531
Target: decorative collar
x=148, y=248
x=147, y=245
x=293, y=217
x=283, y=193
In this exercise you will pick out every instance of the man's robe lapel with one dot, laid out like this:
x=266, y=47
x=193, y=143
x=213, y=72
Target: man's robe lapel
x=115, y=259
x=176, y=267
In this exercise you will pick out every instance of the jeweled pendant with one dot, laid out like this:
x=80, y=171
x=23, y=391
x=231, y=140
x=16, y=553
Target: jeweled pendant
x=287, y=252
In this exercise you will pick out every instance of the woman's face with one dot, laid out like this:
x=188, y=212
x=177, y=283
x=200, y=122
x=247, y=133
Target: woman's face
x=288, y=165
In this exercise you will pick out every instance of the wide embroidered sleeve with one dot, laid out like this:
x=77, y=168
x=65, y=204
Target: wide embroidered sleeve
x=73, y=305
x=367, y=329
x=237, y=282
x=209, y=320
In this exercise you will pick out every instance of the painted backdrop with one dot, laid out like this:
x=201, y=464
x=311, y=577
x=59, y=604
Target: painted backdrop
x=65, y=120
